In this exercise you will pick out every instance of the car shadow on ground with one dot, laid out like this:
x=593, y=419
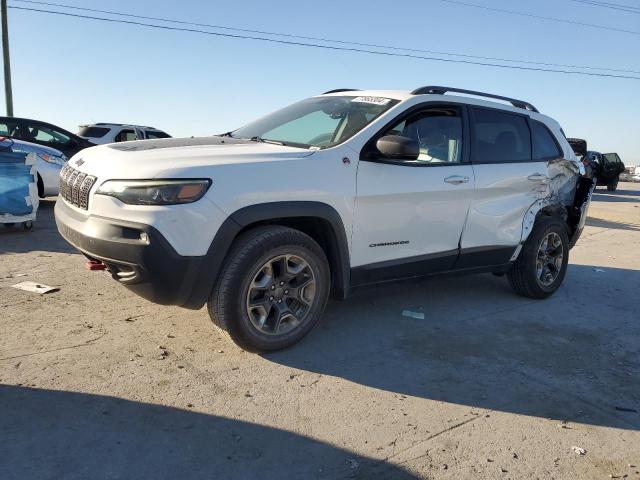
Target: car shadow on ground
x=44, y=236
x=57, y=434
x=626, y=196
x=601, y=223
x=481, y=345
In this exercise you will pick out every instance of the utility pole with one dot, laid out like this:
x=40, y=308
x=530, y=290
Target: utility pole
x=7, y=65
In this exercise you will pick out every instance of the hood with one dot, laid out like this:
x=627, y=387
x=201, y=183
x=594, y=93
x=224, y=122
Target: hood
x=28, y=147
x=174, y=156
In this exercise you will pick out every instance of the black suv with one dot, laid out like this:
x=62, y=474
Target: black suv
x=43, y=133
x=610, y=168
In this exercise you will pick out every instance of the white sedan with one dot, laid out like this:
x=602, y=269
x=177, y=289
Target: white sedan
x=49, y=162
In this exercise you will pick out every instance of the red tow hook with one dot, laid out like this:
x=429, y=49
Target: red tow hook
x=95, y=265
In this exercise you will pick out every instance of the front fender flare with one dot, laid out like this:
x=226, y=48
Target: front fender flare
x=265, y=212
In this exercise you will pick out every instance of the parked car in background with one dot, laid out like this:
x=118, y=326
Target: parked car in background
x=101, y=133
x=49, y=162
x=43, y=133
x=631, y=174
x=610, y=168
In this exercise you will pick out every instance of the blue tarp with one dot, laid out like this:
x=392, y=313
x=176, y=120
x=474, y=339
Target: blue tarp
x=15, y=178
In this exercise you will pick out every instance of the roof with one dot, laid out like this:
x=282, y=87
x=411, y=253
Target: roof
x=395, y=94
x=108, y=124
x=470, y=96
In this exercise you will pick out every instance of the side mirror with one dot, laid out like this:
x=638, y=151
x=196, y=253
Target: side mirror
x=398, y=147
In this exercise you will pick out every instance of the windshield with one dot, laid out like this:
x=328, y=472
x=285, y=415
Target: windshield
x=320, y=122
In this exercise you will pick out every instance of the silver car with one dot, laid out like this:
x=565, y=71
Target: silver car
x=49, y=162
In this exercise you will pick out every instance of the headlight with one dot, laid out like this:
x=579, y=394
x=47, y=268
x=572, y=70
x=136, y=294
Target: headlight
x=52, y=159
x=155, y=192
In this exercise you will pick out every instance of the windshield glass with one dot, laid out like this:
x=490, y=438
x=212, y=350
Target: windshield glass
x=320, y=122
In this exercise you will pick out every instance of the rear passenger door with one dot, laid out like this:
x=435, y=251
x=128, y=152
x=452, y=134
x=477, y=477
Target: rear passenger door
x=509, y=155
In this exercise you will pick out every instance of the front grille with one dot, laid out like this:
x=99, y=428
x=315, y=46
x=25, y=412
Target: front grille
x=75, y=186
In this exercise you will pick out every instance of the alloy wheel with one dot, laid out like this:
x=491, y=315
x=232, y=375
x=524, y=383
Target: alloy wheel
x=549, y=259
x=281, y=294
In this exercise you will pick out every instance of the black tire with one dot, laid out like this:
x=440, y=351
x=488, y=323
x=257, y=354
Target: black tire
x=523, y=276
x=227, y=304
x=612, y=187
x=40, y=187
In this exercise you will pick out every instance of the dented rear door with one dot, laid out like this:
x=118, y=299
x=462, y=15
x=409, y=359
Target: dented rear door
x=508, y=182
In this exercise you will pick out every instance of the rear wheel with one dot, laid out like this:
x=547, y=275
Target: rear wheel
x=542, y=264
x=613, y=186
x=272, y=289
x=40, y=187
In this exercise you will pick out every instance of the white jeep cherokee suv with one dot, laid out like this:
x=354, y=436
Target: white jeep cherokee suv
x=341, y=190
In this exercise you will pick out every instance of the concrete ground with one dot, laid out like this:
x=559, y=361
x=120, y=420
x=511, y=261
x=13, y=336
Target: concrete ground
x=98, y=383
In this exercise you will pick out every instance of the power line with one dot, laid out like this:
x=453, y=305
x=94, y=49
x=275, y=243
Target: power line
x=322, y=39
x=344, y=42
x=326, y=47
x=540, y=17
x=613, y=6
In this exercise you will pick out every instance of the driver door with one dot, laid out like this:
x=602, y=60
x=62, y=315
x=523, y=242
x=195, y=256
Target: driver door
x=409, y=213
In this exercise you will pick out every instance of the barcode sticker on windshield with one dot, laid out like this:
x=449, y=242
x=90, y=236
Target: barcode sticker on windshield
x=373, y=100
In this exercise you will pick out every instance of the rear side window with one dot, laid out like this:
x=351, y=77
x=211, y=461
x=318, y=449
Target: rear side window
x=544, y=145
x=93, y=132
x=501, y=137
x=157, y=134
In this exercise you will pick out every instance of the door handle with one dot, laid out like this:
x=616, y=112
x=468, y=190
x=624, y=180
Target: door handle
x=537, y=177
x=456, y=179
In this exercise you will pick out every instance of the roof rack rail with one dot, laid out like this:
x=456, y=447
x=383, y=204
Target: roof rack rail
x=338, y=90
x=435, y=90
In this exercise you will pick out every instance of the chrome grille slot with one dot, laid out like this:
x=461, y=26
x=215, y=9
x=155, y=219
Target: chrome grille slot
x=75, y=186
x=83, y=195
x=69, y=189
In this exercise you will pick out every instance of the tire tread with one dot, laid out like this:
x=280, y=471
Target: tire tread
x=519, y=276
x=243, y=248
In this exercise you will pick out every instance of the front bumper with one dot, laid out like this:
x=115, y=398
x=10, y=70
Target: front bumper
x=136, y=255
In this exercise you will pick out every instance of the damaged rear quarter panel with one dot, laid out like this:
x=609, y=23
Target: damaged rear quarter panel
x=558, y=196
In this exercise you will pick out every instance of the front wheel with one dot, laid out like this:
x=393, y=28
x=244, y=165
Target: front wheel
x=272, y=288
x=612, y=187
x=541, y=267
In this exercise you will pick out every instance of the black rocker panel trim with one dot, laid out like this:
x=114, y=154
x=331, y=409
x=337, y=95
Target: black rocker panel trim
x=472, y=260
x=403, y=268
x=483, y=256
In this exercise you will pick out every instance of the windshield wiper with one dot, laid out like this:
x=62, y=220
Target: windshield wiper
x=265, y=140
x=228, y=134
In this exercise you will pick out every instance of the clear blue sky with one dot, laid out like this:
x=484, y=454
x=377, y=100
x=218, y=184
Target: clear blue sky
x=70, y=71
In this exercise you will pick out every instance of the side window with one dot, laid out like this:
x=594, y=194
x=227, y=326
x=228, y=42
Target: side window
x=151, y=134
x=125, y=136
x=4, y=129
x=501, y=137
x=612, y=157
x=48, y=135
x=544, y=146
x=438, y=132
